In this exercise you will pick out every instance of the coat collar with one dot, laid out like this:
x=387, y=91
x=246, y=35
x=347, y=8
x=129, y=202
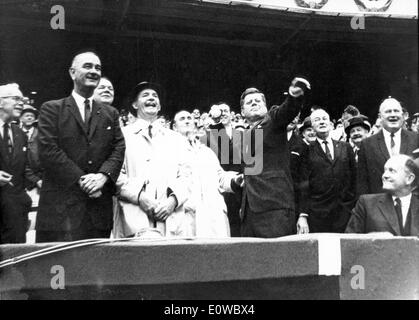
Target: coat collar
x=414, y=211
x=386, y=206
x=337, y=149
x=382, y=145
x=96, y=109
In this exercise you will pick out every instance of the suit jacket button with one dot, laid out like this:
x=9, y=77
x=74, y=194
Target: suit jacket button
x=90, y=162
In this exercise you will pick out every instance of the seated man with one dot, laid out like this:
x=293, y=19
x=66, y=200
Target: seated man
x=395, y=211
x=205, y=203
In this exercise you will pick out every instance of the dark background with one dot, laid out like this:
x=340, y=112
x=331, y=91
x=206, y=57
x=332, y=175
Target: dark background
x=203, y=54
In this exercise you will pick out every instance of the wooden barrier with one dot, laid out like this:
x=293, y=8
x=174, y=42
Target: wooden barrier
x=316, y=266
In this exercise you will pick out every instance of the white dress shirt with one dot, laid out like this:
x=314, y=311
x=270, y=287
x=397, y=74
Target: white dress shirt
x=2, y=130
x=397, y=140
x=329, y=144
x=405, y=201
x=80, y=102
x=29, y=132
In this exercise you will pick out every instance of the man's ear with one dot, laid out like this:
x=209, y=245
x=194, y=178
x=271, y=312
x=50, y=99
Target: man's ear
x=411, y=179
x=134, y=106
x=71, y=71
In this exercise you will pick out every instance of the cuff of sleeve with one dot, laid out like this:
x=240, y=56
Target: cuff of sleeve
x=174, y=197
x=305, y=215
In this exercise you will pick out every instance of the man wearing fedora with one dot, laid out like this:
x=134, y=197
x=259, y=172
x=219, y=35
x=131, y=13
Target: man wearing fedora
x=307, y=132
x=28, y=121
x=357, y=130
x=152, y=186
x=81, y=148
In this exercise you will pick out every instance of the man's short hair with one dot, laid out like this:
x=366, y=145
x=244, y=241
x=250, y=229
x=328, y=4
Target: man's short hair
x=8, y=89
x=250, y=91
x=220, y=103
x=83, y=52
x=413, y=166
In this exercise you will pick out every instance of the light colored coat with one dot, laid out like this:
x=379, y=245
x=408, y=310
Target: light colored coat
x=205, y=201
x=159, y=163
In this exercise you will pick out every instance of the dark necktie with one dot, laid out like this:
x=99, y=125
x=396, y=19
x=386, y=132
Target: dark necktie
x=328, y=154
x=356, y=151
x=87, y=113
x=392, y=145
x=398, y=207
x=150, y=134
x=6, y=138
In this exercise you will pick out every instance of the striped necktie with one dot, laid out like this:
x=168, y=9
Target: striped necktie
x=6, y=138
x=393, y=145
x=328, y=153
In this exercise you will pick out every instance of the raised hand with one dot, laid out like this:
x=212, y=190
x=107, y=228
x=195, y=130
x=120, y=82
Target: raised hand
x=299, y=86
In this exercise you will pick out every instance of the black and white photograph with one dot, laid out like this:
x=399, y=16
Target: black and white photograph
x=204, y=156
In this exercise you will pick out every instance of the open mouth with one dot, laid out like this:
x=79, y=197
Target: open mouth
x=150, y=104
x=393, y=120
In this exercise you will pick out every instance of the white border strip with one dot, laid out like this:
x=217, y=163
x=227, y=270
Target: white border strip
x=330, y=256
x=315, y=11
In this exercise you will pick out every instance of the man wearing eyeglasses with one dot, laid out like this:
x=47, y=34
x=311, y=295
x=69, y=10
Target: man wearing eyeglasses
x=14, y=202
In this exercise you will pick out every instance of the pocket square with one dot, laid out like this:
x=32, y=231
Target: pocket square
x=108, y=128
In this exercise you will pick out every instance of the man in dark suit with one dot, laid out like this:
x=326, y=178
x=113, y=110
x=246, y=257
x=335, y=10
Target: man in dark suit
x=34, y=169
x=327, y=181
x=268, y=195
x=395, y=211
x=226, y=143
x=14, y=202
x=377, y=149
x=81, y=150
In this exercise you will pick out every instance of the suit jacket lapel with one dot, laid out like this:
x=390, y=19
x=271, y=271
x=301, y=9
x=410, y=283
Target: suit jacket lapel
x=382, y=145
x=414, y=211
x=337, y=149
x=96, y=108
x=386, y=206
x=404, y=144
x=74, y=110
x=320, y=151
x=16, y=141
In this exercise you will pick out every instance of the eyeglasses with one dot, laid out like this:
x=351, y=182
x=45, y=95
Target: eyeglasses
x=16, y=98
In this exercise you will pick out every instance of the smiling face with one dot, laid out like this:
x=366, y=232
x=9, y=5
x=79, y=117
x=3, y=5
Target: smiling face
x=320, y=121
x=254, y=106
x=11, y=102
x=85, y=72
x=391, y=115
x=28, y=119
x=357, y=134
x=309, y=134
x=147, y=104
x=104, y=92
x=396, y=177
